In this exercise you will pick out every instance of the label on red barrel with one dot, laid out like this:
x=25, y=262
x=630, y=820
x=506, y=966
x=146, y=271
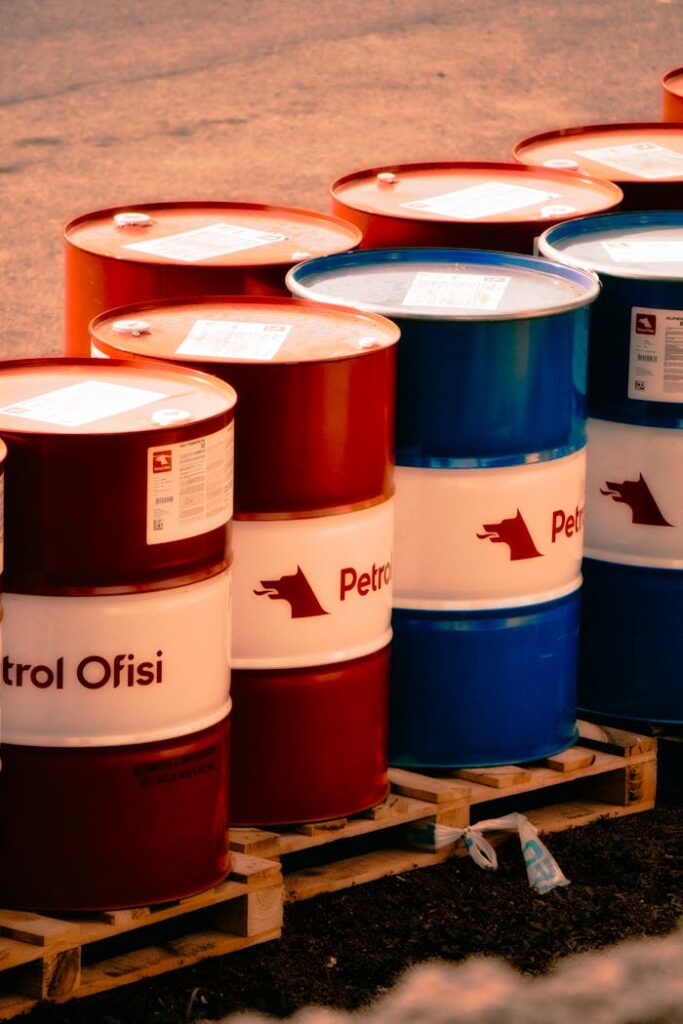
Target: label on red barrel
x=82, y=403
x=655, y=369
x=456, y=291
x=111, y=670
x=643, y=159
x=205, y=243
x=189, y=486
x=312, y=591
x=234, y=339
x=484, y=200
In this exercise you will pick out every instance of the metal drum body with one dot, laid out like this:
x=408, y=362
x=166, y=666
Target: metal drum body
x=157, y=251
x=124, y=825
x=486, y=384
x=672, y=95
x=645, y=159
x=477, y=205
x=631, y=642
x=309, y=738
x=634, y=367
x=486, y=687
x=116, y=662
x=634, y=494
x=313, y=539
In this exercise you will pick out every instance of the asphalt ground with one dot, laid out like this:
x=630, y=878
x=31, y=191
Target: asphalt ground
x=263, y=101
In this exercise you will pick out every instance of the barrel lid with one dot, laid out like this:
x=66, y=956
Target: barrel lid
x=211, y=234
x=95, y=396
x=632, y=245
x=241, y=329
x=631, y=151
x=474, y=191
x=672, y=81
x=444, y=284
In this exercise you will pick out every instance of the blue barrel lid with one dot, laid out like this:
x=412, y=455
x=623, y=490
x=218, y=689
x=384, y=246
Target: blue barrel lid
x=444, y=284
x=646, y=246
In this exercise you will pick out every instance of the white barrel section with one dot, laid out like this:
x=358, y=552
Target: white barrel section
x=634, y=494
x=312, y=591
x=116, y=669
x=488, y=537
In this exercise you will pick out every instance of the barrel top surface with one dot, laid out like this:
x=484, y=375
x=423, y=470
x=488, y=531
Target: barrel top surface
x=474, y=191
x=238, y=329
x=634, y=245
x=210, y=234
x=636, y=151
x=445, y=284
x=85, y=397
x=672, y=81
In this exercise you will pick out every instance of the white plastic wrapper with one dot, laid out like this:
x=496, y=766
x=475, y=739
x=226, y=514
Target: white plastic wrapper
x=542, y=869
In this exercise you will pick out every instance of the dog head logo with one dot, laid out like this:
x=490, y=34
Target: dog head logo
x=638, y=496
x=515, y=534
x=297, y=591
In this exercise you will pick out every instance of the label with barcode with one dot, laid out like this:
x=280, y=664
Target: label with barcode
x=637, y=250
x=484, y=200
x=456, y=291
x=643, y=159
x=189, y=487
x=204, y=243
x=85, y=402
x=232, y=339
x=655, y=371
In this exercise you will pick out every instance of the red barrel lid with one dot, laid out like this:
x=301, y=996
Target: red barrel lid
x=218, y=234
x=672, y=81
x=628, y=152
x=473, y=191
x=83, y=396
x=240, y=329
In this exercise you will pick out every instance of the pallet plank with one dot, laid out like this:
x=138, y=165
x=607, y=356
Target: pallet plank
x=501, y=777
x=570, y=760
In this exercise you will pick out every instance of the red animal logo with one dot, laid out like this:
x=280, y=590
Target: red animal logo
x=638, y=496
x=515, y=534
x=297, y=591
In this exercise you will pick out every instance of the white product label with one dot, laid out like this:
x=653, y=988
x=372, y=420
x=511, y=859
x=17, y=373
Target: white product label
x=204, y=243
x=456, y=291
x=232, y=339
x=85, y=402
x=635, y=250
x=189, y=487
x=644, y=159
x=655, y=369
x=485, y=200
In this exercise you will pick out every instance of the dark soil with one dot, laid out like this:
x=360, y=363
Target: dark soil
x=344, y=949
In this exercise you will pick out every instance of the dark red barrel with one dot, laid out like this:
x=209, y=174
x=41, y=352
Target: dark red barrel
x=480, y=205
x=165, y=250
x=645, y=159
x=672, y=95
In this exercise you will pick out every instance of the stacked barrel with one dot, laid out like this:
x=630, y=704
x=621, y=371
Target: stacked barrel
x=490, y=493
x=116, y=672
x=313, y=538
x=632, y=643
x=156, y=251
x=672, y=95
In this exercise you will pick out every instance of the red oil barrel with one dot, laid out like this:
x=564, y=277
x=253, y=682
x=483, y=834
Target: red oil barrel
x=479, y=205
x=164, y=250
x=315, y=426
x=309, y=739
x=120, y=476
x=107, y=827
x=313, y=537
x=672, y=95
x=116, y=669
x=645, y=159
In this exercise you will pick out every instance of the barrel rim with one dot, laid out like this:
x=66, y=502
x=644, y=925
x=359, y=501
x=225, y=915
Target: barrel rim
x=494, y=258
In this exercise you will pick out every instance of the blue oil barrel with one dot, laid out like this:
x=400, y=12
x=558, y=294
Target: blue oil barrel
x=492, y=355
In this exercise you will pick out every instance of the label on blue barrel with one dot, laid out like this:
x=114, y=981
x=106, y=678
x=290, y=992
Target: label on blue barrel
x=655, y=371
x=644, y=250
x=456, y=291
x=643, y=159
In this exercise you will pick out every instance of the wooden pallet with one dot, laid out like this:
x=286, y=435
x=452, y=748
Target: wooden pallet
x=609, y=773
x=60, y=957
